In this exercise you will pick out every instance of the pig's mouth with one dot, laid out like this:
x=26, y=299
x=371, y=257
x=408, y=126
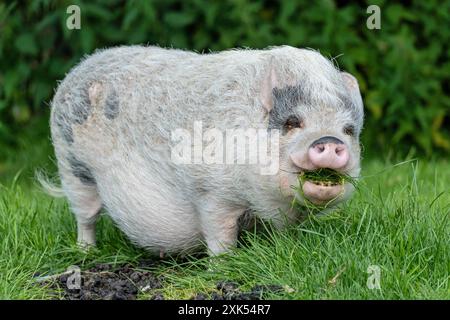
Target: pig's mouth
x=322, y=186
x=321, y=193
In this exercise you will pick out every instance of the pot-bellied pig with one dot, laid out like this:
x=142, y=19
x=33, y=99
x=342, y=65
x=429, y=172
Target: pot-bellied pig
x=176, y=146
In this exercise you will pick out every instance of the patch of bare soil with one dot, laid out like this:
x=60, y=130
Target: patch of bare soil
x=125, y=282
x=105, y=282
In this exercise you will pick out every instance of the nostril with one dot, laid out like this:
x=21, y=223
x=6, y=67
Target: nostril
x=339, y=150
x=320, y=148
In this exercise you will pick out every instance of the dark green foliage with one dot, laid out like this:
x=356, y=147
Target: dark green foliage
x=403, y=69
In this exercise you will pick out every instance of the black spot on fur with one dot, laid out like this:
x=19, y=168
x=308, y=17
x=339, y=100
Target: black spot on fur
x=68, y=133
x=80, y=106
x=81, y=171
x=64, y=126
x=112, y=104
x=285, y=101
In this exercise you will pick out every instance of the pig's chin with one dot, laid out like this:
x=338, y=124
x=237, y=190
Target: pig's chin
x=322, y=194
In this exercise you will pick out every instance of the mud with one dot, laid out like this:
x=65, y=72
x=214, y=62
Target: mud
x=105, y=282
x=230, y=291
x=126, y=282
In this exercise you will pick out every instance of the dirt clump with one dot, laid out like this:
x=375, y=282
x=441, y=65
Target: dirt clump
x=227, y=290
x=106, y=282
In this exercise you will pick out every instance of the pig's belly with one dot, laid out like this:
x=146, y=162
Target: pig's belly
x=149, y=209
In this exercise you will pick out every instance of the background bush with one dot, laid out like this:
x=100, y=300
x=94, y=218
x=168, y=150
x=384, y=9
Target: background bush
x=403, y=69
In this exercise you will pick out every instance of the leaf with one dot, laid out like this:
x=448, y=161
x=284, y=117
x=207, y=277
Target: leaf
x=178, y=20
x=26, y=44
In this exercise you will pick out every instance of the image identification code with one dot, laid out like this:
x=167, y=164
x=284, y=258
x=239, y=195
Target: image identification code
x=226, y=309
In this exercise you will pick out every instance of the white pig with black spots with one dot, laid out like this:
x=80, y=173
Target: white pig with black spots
x=114, y=114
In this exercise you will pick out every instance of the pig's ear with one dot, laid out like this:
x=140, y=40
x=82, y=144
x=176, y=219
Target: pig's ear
x=351, y=83
x=269, y=82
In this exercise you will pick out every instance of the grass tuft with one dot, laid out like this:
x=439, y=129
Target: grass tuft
x=327, y=176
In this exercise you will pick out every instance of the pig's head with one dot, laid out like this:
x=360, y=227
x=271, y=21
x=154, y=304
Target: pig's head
x=319, y=120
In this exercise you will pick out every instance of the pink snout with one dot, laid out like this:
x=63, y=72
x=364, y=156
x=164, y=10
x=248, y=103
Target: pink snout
x=328, y=152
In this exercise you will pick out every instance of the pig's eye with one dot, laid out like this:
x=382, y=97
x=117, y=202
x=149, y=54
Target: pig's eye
x=293, y=122
x=349, y=130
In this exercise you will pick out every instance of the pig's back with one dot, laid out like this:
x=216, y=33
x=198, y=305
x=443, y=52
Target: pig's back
x=135, y=92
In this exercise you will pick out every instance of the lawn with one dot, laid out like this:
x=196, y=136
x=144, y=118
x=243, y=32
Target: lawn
x=397, y=223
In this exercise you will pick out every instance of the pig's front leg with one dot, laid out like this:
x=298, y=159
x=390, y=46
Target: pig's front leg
x=219, y=223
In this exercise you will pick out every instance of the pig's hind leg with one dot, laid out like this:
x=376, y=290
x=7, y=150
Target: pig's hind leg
x=81, y=191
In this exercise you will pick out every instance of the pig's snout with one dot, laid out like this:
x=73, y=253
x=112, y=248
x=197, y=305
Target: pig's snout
x=328, y=152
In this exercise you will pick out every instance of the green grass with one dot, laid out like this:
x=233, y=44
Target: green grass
x=327, y=176
x=398, y=220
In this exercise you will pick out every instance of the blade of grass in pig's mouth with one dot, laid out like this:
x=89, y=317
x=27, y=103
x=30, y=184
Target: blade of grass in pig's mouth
x=325, y=177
